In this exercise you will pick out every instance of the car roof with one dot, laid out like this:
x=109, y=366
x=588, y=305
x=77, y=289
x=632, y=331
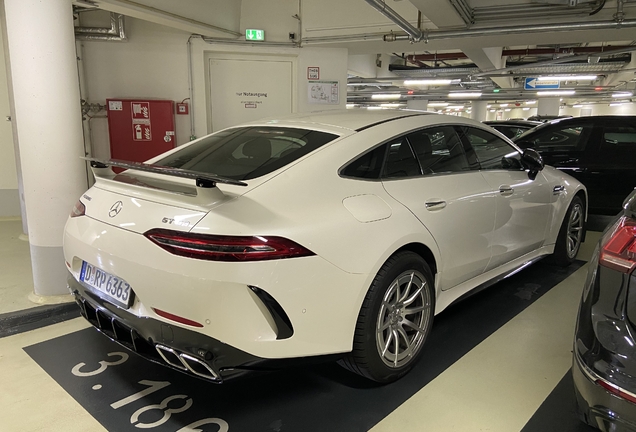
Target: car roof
x=528, y=123
x=351, y=119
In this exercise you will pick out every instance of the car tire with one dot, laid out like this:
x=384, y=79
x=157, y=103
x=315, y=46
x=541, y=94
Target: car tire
x=399, y=306
x=570, y=235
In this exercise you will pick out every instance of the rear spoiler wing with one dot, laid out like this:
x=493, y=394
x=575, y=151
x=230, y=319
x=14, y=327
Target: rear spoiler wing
x=205, y=195
x=203, y=180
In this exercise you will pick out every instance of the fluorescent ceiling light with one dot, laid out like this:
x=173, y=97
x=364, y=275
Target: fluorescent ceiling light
x=503, y=105
x=508, y=109
x=371, y=84
x=465, y=95
x=568, y=78
x=622, y=95
x=556, y=93
x=350, y=105
x=375, y=108
x=531, y=102
x=438, y=104
x=577, y=106
x=526, y=109
x=386, y=96
x=492, y=110
x=619, y=103
x=488, y=106
x=428, y=82
x=455, y=107
x=391, y=105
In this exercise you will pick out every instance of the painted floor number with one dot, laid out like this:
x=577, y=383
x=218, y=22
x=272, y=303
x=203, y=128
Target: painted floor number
x=153, y=386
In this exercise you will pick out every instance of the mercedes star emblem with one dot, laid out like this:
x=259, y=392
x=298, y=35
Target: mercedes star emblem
x=115, y=209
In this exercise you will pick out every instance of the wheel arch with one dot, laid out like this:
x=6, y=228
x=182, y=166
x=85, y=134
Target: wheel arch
x=422, y=250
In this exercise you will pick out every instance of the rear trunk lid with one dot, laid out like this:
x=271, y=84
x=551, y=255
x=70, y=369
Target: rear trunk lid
x=142, y=199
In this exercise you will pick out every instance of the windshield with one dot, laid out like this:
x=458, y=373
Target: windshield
x=248, y=152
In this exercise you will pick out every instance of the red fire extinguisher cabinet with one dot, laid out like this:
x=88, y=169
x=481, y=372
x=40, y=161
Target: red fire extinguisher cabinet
x=140, y=129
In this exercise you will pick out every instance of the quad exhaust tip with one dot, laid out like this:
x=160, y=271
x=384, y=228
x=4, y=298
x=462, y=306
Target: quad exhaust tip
x=187, y=363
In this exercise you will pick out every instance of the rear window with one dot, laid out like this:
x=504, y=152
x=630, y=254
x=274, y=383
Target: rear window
x=247, y=153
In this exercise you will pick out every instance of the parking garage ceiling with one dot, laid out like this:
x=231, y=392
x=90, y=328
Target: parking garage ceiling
x=487, y=46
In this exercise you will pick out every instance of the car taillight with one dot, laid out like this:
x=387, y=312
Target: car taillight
x=78, y=209
x=614, y=389
x=226, y=248
x=618, y=247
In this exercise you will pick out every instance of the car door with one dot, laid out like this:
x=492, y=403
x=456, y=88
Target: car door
x=565, y=145
x=523, y=205
x=610, y=173
x=429, y=172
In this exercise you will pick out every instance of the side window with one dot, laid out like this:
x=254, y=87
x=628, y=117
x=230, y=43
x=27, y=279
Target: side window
x=510, y=131
x=439, y=150
x=618, y=136
x=492, y=152
x=400, y=160
x=565, y=138
x=367, y=166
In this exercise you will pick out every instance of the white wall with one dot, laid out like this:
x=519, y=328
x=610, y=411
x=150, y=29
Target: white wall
x=273, y=16
x=332, y=64
x=152, y=64
x=9, y=201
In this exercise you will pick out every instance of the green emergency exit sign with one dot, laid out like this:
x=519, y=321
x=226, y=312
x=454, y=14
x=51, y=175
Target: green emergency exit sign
x=256, y=35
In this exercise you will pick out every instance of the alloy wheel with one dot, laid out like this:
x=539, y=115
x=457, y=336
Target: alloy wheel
x=403, y=319
x=575, y=230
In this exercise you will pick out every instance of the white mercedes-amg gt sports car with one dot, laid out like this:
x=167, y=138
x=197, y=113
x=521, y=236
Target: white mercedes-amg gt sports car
x=323, y=235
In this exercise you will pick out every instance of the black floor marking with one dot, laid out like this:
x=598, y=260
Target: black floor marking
x=557, y=413
x=319, y=398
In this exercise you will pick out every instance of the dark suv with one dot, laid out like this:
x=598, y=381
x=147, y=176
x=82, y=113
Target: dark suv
x=598, y=151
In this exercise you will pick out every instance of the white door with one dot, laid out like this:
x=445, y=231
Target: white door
x=243, y=90
x=454, y=203
x=523, y=203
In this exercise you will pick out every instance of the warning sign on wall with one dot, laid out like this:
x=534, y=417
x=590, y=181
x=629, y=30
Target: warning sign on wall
x=141, y=132
x=140, y=112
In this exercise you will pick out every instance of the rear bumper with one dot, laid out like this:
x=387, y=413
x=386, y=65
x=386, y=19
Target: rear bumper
x=230, y=300
x=596, y=406
x=181, y=349
x=142, y=335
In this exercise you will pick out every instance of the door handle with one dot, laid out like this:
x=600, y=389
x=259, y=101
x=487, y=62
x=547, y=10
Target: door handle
x=435, y=205
x=506, y=190
x=558, y=189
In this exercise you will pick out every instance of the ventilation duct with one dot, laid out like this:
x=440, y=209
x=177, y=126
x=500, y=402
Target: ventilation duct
x=116, y=32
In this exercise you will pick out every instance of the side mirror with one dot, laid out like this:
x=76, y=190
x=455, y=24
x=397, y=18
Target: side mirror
x=532, y=160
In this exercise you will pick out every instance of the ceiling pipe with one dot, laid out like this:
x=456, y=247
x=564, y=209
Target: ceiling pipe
x=516, y=52
x=414, y=34
x=555, y=61
x=475, y=32
x=501, y=31
x=619, y=16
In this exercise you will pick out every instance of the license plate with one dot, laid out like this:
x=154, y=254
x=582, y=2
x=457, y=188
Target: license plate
x=109, y=287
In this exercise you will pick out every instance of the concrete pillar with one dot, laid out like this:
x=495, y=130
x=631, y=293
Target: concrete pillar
x=548, y=106
x=41, y=45
x=479, y=110
x=417, y=104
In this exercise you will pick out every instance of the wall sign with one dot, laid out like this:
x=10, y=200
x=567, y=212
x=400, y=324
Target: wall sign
x=313, y=73
x=253, y=34
x=323, y=92
x=141, y=121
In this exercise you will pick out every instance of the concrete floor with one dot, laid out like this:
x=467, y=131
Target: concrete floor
x=16, y=278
